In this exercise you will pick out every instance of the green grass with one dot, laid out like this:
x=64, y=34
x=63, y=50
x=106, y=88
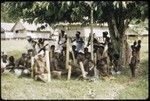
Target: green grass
x=121, y=87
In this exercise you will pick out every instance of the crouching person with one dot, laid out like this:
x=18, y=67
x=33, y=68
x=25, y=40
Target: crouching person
x=102, y=67
x=40, y=69
x=21, y=68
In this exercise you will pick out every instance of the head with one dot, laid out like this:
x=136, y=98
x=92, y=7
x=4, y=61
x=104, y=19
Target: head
x=80, y=56
x=85, y=50
x=88, y=56
x=101, y=49
x=134, y=43
x=29, y=39
x=73, y=47
x=78, y=34
x=53, y=47
x=101, y=62
x=105, y=34
x=11, y=59
x=91, y=63
x=40, y=40
x=63, y=32
x=139, y=42
x=40, y=57
x=4, y=58
x=24, y=56
x=30, y=52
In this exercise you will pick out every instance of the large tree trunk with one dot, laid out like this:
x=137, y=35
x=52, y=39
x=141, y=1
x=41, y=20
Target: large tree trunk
x=117, y=34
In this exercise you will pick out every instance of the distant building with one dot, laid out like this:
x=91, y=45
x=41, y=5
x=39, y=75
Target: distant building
x=6, y=32
x=22, y=30
x=98, y=30
x=132, y=32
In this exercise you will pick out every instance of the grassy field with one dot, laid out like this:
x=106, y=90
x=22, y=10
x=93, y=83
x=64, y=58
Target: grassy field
x=121, y=87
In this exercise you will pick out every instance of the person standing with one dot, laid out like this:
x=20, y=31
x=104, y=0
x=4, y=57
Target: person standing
x=79, y=42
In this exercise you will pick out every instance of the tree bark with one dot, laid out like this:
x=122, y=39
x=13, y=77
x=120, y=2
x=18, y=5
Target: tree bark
x=117, y=34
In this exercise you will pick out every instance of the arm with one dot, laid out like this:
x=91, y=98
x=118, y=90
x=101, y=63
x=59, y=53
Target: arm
x=58, y=39
x=89, y=41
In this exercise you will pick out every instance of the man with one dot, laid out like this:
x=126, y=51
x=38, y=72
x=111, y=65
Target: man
x=79, y=42
x=40, y=45
x=11, y=63
x=23, y=65
x=40, y=69
x=56, y=66
x=102, y=61
x=88, y=63
x=76, y=67
x=95, y=41
x=62, y=39
x=31, y=44
x=106, y=40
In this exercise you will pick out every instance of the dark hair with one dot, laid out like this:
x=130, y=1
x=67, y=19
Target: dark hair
x=52, y=46
x=11, y=59
x=105, y=33
x=24, y=55
x=78, y=32
x=62, y=31
x=139, y=41
x=40, y=40
x=134, y=42
x=85, y=48
x=73, y=46
x=101, y=46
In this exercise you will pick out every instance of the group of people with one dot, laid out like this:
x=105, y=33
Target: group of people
x=104, y=63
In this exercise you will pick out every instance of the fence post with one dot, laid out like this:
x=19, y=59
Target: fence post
x=67, y=53
x=48, y=65
x=82, y=69
x=69, y=72
x=32, y=67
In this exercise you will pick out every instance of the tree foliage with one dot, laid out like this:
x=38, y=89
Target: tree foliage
x=118, y=14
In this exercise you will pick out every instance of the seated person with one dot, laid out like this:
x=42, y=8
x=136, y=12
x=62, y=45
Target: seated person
x=4, y=62
x=40, y=69
x=102, y=67
x=21, y=66
x=11, y=63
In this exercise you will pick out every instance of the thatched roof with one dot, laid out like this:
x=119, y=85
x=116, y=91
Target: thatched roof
x=7, y=26
x=2, y=30
x=140, y=31
x=30, y=27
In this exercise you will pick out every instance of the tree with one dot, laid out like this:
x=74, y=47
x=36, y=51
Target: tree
x=118, y=15
x=5, y=14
